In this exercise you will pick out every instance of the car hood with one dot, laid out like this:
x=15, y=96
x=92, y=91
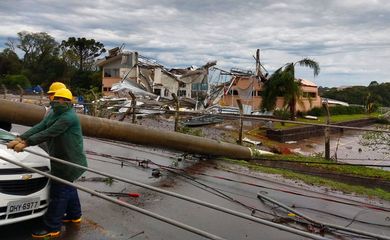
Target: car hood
x=29, y=159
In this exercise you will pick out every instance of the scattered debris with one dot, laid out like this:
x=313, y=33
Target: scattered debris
x=137, y=234
x=156, y=173
x=310, y=117
x=120, y=194
x=202, y=120
x=256, y=143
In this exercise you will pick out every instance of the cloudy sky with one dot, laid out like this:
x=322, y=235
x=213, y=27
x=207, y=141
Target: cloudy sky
x=350, y=39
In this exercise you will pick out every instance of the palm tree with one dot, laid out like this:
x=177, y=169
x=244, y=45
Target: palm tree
x=282, y=83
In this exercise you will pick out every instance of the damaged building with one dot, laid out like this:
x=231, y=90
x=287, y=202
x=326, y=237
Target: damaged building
x=121, y=67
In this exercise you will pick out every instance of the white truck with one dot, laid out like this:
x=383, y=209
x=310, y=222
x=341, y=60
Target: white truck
x=23, y=194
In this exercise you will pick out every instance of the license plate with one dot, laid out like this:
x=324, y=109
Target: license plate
x=22, y=205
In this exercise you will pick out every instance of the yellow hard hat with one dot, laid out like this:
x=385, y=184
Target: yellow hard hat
x=55, y=86
x=64, y=93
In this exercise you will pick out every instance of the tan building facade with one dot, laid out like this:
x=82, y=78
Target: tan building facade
x=248, y=89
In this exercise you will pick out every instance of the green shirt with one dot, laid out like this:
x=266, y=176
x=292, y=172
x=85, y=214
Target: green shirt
x=62, y=132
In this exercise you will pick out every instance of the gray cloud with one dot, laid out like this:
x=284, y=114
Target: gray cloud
x=349, y=38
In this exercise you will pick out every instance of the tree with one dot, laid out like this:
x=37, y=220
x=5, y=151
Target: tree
x=40, y=53
x=283, y=83
x=9, y=62
x=12, y=81
x=36, y=47
x=81, y=52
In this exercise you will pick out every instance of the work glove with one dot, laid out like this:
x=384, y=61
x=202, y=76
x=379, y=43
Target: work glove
x=14, y=142
x=20, y=146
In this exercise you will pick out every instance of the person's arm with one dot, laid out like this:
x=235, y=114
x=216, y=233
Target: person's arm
x=35, y=129
x=57, y=128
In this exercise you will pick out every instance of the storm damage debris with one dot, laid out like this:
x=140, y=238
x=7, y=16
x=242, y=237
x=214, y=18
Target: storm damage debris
x=147, y=79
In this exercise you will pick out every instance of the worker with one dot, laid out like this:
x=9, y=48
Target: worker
x=54, y=87
x=61, y=129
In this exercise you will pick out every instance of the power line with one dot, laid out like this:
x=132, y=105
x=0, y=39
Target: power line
x=242, y=182
x=356, y=231
x=118, y=202
x=251, y=117
x=206, y=204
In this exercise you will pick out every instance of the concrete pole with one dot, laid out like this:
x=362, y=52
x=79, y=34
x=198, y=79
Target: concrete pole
x=177, y=108
x=40, y=97
x=94, y=113
x=327, y=130
x=239, y=103
x=133, y=105
x=30, y=114
x=258, y=71
x=21, y=93
x=5, y=90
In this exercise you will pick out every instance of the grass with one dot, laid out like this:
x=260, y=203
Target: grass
x=317, y=181
x=342, y=169
x=322, y=120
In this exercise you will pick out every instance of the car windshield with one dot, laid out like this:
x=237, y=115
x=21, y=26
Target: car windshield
x=4, y=135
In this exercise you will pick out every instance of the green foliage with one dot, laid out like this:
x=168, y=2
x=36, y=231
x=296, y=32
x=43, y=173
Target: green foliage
x=282, y=83
x=83, y=81
x=282, y=114
x=81, y=52
x=319, y=181
x=42, y=62
x=377, y=141
x=191, y=131
x=317, y=111
x=12, y=81
x=336, y=110
x=36, y=47
x=378, y=94
x=9, y=62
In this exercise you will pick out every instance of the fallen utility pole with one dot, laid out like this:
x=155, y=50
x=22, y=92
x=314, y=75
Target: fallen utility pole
x=173, y=194
x=118, y=202
x=29, y=114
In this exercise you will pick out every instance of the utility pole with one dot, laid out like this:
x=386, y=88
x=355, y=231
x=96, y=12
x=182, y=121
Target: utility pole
x=258, y=66
x=5, y=90
x=327, y=130
x=177, y=107
x=239, y=103
x=136, y=68
x=21, y=93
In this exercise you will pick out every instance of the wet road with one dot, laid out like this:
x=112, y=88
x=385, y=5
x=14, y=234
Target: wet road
x=104, y=220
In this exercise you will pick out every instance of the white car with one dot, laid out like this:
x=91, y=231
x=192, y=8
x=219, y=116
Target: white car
x=23, y=194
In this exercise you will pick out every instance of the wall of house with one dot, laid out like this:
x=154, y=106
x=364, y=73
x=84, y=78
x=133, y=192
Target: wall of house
x=169, y=83
x=255, y=100
x=123, y=64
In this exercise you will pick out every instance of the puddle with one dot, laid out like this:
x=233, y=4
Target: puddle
x=345, y=147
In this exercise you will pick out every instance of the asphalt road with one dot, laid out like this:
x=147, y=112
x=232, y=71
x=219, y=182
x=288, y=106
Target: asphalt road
x=104, y=220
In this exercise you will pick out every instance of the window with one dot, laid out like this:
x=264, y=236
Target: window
x=106, y=89
x=309, y=95
x=259, y=93
x=182, y=93
x=111, y=72
x=157, y=91
x=232, y=92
